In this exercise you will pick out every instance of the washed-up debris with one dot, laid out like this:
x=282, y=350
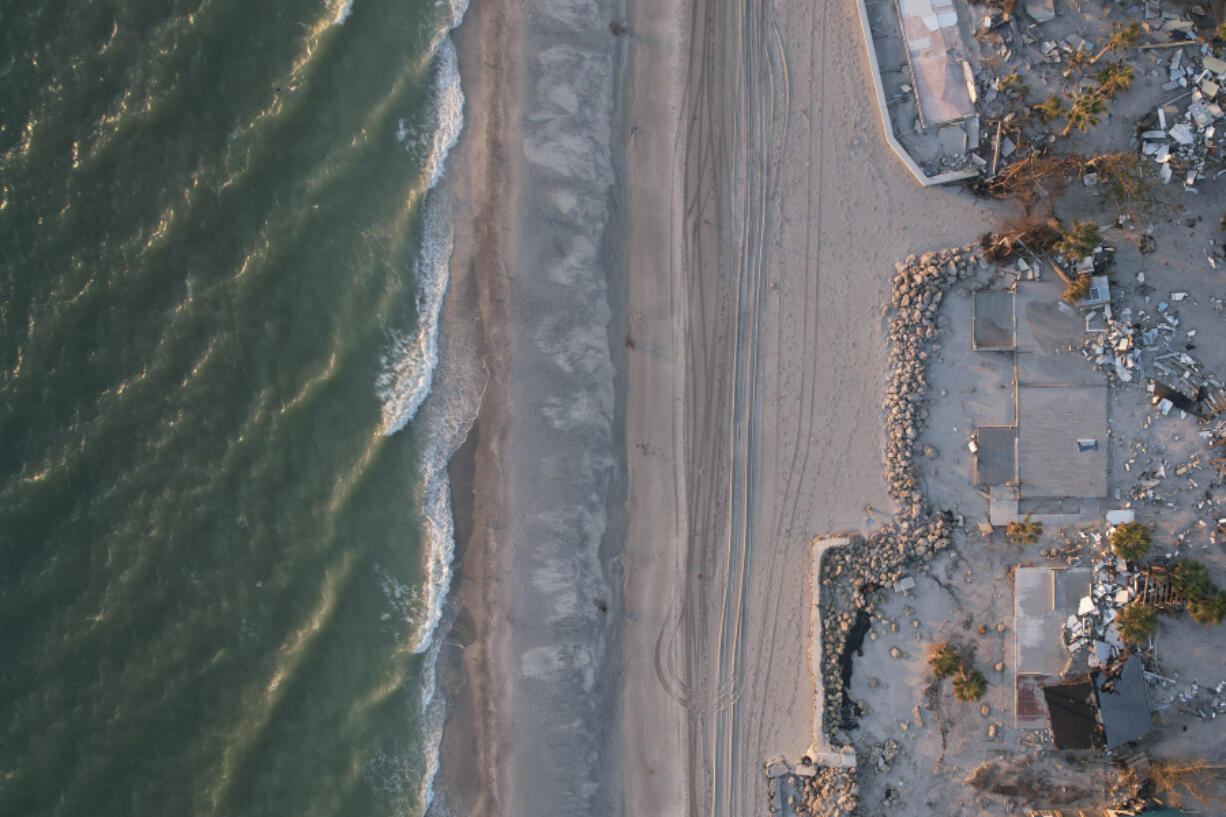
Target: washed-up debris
x=1136, y=345
x=1182, y=141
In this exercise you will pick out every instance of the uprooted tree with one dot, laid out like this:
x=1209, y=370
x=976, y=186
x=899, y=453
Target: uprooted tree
x=1128, y=184
x=1188, y=783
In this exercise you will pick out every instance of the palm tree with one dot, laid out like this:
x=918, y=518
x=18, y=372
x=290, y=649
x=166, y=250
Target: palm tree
x=1024, y=532
x=1208, y=610
x=969, y=685
x=1085, y=111
x=1137, y=622
x=1050, y=109
x=1191, y=580
x=1114, y=77
x=944, y=660
x=1130, y=541
x=1077, y=61
x=1122, y=37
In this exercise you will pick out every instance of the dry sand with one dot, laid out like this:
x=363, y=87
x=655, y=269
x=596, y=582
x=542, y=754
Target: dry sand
x=715, y=185
x=787, y=213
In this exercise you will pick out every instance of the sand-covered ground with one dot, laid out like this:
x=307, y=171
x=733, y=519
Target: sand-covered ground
x=679, y=239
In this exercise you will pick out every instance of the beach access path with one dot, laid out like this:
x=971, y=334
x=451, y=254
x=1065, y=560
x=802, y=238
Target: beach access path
x=765, y=214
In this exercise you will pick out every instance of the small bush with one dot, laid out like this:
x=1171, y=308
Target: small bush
x=969, y=685
x=1130, y=541
x=1137, y=622
x=1076, y=288
x=944, y=659
x=1024, y=532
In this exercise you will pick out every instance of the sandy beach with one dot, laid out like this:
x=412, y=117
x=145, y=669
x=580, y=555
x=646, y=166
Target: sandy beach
x=680, y=240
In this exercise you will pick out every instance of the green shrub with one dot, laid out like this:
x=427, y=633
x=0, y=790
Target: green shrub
x=1137, y=622
x=944, y=659
x=1130, y=541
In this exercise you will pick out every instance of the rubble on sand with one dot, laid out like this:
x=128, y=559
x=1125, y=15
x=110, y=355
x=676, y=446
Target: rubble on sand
x=1184, y=133
x=1136, y=343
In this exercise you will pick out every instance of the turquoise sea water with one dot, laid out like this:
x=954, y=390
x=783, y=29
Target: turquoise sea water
x=219, y=569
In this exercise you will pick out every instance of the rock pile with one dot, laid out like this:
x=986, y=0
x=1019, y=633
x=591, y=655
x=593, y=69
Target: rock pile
x=850, y=574
x=828, y=793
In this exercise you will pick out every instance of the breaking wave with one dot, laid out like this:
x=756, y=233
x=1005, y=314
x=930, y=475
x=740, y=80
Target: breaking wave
x=408, y=366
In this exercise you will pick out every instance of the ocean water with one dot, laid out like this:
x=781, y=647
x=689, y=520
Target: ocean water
x=225, y=524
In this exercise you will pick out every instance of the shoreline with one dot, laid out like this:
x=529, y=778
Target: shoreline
x=465, y=782
x=535, y=615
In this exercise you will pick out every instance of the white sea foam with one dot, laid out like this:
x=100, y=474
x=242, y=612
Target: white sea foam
x=408, y=366
x=407, y=374
x=343, y=12
x=433, y=718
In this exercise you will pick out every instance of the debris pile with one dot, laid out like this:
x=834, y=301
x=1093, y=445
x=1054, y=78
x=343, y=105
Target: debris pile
x=1088, y=634
x=1135, y=343
x=1181, y=142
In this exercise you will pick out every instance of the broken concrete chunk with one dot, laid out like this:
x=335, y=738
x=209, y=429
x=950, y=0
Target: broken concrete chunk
x=1040, y=10
x=1213, y=65
x=1182, y=134
x=1121, y=516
